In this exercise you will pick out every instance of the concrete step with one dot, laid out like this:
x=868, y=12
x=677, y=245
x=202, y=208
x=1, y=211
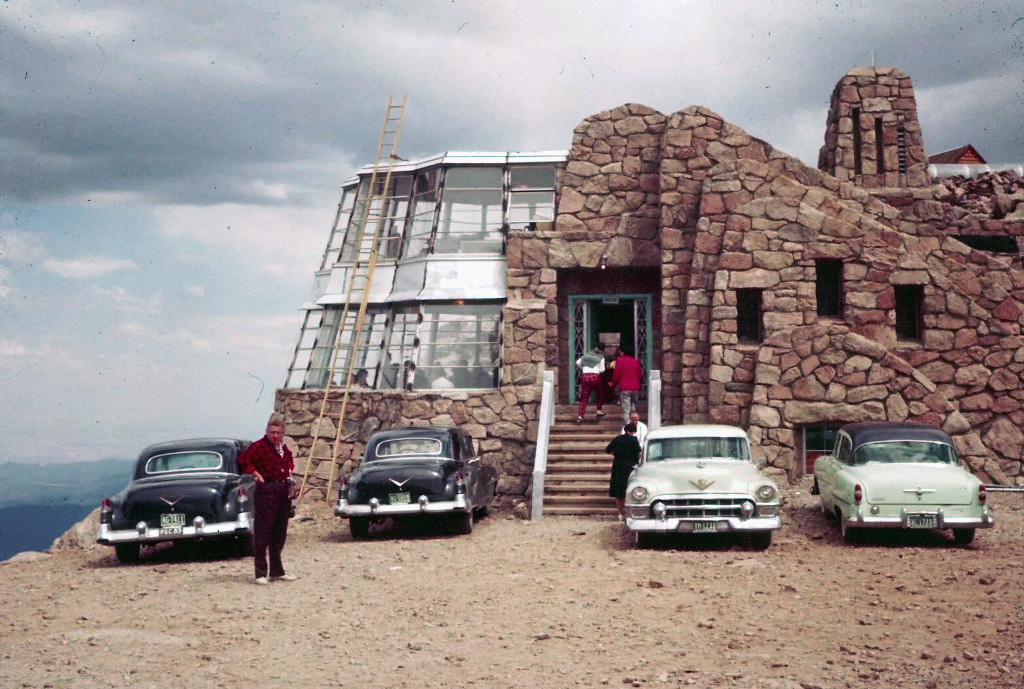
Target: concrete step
x=592, y=511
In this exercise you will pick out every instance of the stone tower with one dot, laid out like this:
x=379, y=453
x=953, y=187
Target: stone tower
x=872, y=135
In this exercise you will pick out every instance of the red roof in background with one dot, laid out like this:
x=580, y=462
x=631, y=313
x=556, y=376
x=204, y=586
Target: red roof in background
x=966, y=155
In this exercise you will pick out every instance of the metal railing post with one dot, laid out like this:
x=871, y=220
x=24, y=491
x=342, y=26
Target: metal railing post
x=654, y=400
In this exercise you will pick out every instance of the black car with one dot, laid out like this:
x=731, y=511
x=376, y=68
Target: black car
x=421, y=470
x=183, y=489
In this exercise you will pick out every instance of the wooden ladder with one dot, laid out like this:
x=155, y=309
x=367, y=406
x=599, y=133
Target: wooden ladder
x=347, y=338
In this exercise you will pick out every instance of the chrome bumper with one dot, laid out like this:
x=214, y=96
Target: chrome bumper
x=861, y=521
x=724, y=524
x=422, y=506
x=198, y=529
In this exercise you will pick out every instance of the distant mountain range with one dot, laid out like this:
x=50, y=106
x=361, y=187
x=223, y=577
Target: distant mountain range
x=39, y=502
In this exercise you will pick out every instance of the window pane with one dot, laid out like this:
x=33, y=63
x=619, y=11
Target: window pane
x=471, y=212
x=348, y=199
x=459, y=346
x=399, y=363
x=473, y=178
x=749, y=323
x=530, y=206
x=533, y=177
x=422, y=218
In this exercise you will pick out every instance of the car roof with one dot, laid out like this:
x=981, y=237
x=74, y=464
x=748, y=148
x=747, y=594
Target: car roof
x=193, y=444
x=878, y=431
x=697, y=430
x=414, y=432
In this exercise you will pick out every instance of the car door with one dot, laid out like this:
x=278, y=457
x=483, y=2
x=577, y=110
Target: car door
x=827, y=467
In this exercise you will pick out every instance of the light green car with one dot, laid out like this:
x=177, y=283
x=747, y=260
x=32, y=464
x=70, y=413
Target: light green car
x=700, y=479
x=899, y=475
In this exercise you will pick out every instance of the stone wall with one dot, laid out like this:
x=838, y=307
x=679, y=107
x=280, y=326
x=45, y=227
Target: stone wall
x=502, y=423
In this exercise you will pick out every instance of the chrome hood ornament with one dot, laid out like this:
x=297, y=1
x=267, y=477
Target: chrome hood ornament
x=701, y=484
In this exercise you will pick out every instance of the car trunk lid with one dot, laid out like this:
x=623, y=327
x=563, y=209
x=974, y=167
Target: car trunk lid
x=916, y=484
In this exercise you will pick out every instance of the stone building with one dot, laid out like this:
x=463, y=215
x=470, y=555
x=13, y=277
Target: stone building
x=780, y=297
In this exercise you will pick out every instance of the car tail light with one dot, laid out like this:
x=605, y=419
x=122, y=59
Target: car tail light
x=106, y=510
x=858, y=494
x=243, y=495
x=460, y=482
x=982, y=495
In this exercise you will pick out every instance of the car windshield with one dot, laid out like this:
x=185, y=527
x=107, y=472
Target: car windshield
x=184, y=461
x=407, y=447
x=662, y=449
x=904, y=452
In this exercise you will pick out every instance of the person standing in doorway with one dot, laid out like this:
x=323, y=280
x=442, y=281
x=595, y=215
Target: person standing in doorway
x=270, y=461
x=591, y=365
x=627, y=378
x=625, y=451
x=641, y=427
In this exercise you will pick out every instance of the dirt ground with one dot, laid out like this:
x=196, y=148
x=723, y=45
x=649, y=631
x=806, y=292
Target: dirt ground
x=565, y=602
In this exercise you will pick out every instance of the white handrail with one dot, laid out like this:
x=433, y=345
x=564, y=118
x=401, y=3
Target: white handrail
x=540, y=460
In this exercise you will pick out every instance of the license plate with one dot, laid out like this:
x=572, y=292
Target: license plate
x=398, y=498
x=172, y=524
x=705, y=527
x=922, y=521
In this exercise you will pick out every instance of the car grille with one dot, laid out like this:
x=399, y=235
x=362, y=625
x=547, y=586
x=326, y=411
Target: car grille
x=702, y=508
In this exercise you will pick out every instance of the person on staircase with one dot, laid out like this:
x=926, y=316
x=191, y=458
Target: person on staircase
x=591, y=365
x=641, y=427
x=625, y=451
x=628, y=377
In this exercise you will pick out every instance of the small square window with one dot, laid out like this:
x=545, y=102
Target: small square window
x=749, y=316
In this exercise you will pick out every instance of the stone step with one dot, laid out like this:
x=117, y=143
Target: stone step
x=592, y=511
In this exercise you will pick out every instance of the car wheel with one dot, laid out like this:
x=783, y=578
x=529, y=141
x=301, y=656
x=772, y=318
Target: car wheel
x=644, y=540
x=849, y=534
x=483, y=511
x=359, y=527
x=464, y=523
x=963, y=536
x=127, y=552
x=760, y=540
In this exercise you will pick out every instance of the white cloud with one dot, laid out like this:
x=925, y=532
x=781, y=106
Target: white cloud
x=10, y=348
x=278, y=240
x=20, y=247
x=86, y=266
x=125, y=301
x=194, y=291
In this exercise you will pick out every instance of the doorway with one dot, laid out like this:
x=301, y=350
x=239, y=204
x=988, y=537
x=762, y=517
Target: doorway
x=611, y=320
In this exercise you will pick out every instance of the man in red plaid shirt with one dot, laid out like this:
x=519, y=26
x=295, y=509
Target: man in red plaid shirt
x=270, y=461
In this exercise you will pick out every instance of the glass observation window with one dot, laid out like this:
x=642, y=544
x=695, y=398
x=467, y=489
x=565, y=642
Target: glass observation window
x=421, y=220
x=398, y=366
x=471, y=211
x=459, y=347
x=352, y=236
x=333, y=253
x=320, y=361
x=531, y=195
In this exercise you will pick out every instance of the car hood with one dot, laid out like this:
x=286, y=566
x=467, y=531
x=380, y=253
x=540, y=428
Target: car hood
x=915, y=484
x=698, y=476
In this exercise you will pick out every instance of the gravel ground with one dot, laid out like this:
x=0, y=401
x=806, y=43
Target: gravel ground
x=566, y=602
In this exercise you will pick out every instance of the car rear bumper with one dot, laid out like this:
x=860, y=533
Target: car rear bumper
x=722, y=525
x=859, y=520
x=423, y=506
x=105, y=535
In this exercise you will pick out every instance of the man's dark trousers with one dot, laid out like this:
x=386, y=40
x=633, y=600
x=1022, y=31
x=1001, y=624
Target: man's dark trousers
x=271, y=528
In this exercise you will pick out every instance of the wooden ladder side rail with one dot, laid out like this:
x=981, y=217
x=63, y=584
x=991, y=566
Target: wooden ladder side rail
x=380, y=199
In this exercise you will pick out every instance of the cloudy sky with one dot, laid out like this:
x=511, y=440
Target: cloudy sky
x=169, y=170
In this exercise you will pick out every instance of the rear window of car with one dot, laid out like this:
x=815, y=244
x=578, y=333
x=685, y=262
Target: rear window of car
x=904, y=452
x=662, y=449
x=407, y=447
x=184, y=461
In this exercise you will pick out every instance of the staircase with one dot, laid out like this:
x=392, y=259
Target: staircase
x=576, y=481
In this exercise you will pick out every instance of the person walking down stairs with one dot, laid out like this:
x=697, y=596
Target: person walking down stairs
x=591, y=365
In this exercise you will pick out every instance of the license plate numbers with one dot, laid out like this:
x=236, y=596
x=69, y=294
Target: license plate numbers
x=922, y=521
x=705, y=527
x=172, y=524
x=398, y=498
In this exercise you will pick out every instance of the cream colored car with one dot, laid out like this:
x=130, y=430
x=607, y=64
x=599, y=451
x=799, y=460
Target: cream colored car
x=700, y=479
